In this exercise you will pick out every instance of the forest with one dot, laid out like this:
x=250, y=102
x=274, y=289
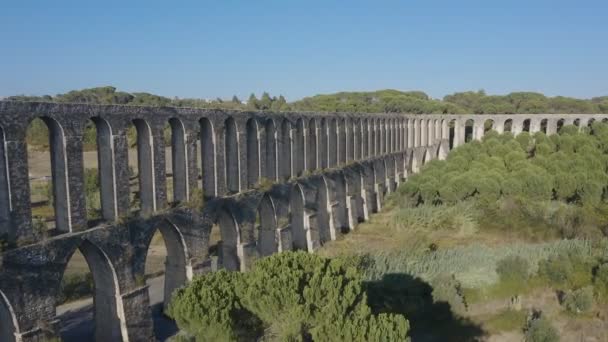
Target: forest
x=381, y=101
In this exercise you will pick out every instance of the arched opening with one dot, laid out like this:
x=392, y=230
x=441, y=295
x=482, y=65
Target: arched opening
x=285, y=149
x=333, y=143
x=364, y=139
x=209, y=174
x=324, y=221
x=452, y=132
x=5, y=204
x=526, y=125
x=177, y=165
x=91, y=162
x=165, y=266
x=298, y=148
x=590, y=122
x=267, y=227
x=142, y=173
x=468, y=130
x=89, y=273
x=8, y=320
x=372, y=138
x=323, y=145
x=560, y=124
x=253, y=153
x=228, y=255
x=231, y=151
x=488, y=125
x=341, y=141
x=296, y=207
x=48, y=176
x=311, y=145
x=577, y=122
x=271, y=151
x=544, y=123
x=508, y=127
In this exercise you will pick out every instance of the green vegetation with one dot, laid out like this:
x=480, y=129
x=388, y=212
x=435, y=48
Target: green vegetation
x=285, y=297
x=541, y=330
x=381, y=101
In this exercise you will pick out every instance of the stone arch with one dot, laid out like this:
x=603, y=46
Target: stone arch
x=285, y=154
x=5, y=204
x=267, y=230
x=590, y=122
x=526, y=125
x=577, y=122
x=179, y=160
x=469, y=130
x=59, y=175
x=311, y=145
x=231, y=156
x=323, y=145
x=253, y=153
x=451, y=132
x=177, y=268
x=229, y=255
x=508, y=125
x=9, y=327
x=488, y=125
x=270, y=170
x=208, y=157
x=109, y=318
x=560, y=123
x=333, y=142
x=296, y=211
x=544, y=124
x=299, y=148
x=145, y=166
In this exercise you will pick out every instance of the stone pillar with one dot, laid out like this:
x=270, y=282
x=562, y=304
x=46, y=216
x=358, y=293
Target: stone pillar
x=499, y=126
x=431, y=134
x=416, y=133
x=423, y=133
x=410, y=133
x=551, y=126
x=121, y=164
x=159, y=167
x=478, y=129
x=18, y=179
x=459, y=132
x=445, y=129
x=534, y=125
x=517, y=126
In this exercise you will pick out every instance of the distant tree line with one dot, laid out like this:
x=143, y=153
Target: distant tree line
x=381, y=101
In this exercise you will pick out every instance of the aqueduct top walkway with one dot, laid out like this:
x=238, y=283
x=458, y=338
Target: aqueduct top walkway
x=270, y=181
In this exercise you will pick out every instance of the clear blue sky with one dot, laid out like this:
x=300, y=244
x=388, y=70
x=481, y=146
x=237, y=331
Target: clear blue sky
x=298, y=48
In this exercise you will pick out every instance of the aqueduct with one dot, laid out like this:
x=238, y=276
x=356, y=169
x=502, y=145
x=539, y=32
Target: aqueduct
x=271, y=182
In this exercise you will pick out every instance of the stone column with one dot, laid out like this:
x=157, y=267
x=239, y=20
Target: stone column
x=551, y=126
x=445, y=129
x=410, y=133
x=478, y=129
x=121, y=164
x=517, y=126
x=18, y=179
x=423, y=133
x=159, y=167
x=459, y=132
x=75, y=182
x=534, y=125
x=499, y=126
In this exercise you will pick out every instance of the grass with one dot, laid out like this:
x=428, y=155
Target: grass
x=506, y=320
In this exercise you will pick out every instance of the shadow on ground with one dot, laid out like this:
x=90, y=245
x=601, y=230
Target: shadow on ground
x=79, y=325
x=429, y=321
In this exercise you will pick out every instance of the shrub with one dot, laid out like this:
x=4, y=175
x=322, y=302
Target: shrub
x=566, y=270
x=513, y=269
x=600, y=281
x=578, y=301
x=210, y=310
x=75, y=286
x=541, y=330
x=448, y=289
x=285, y=297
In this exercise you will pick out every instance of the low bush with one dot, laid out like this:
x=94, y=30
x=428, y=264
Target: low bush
x=541, y=330
x=75, y=286
x=567, y=270
x=600, y=282
x=578, y=301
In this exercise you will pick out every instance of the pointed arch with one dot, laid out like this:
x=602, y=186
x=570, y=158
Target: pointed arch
x=271, y=170
x=267, y=231
x=109, y=316
x=177, y=268
x=230, y=257
x=179, y=160
x=9, y=327
x=208, y=158
x=296, y=208
x=285, y=149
